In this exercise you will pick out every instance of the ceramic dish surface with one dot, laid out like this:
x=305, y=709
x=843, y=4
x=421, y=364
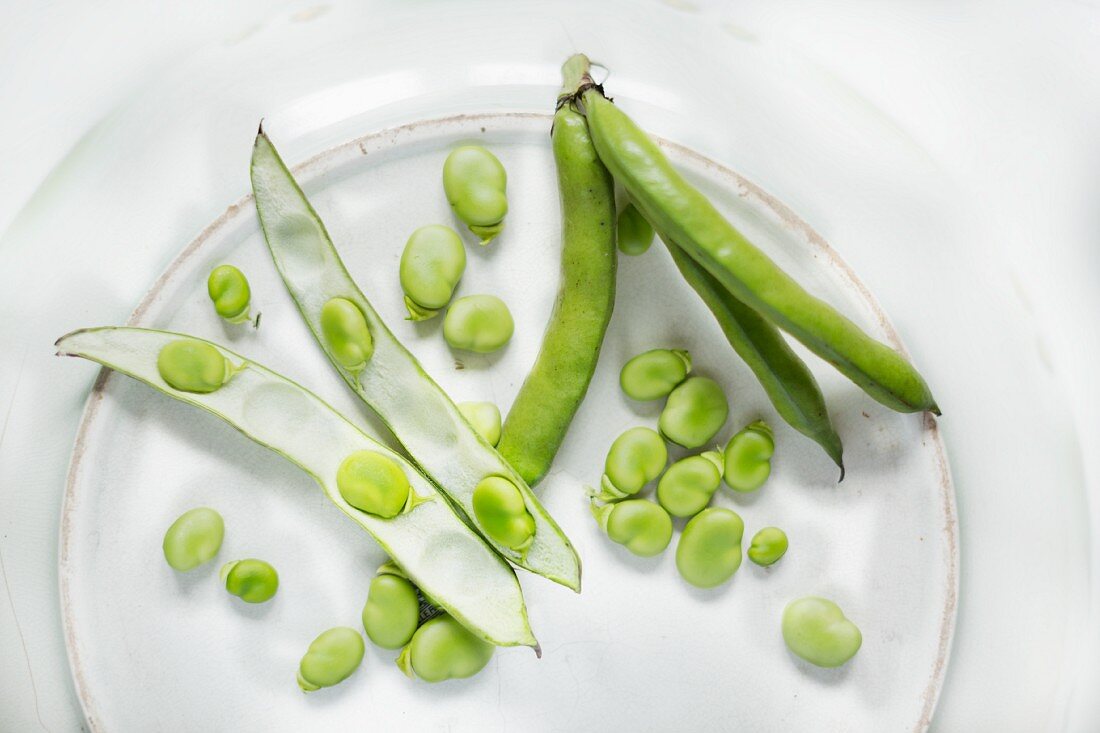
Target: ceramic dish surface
x=639, y=649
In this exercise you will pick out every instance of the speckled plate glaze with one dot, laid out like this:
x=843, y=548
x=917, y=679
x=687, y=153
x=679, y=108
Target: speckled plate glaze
x=639, y=649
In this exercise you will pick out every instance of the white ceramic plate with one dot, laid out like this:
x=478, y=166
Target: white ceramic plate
x=639, y=649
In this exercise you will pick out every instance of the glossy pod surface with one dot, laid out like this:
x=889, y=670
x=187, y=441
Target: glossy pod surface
x=553, y=390
x=677, y=209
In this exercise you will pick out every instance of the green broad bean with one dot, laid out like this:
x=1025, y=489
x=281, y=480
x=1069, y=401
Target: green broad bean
x=688, y=485
x=331, y=658
x=635, y=458
x=479, y=323
x=375, y=484
x=485, y=418
x=193, y=539
x=709, y=551
x=653, y=374
x=346, y=333
x=228, y=289
x=679, y=210
x=251, y=580
x=552, y=393
x=502, y=514
x=816, y=630
x=392, y=611
x=475, y=183
x=748, y=457
x=639, y=525
x=442, y=649
x=633, y=232
x=431, y=266
x=768, y=545
x=695, y=412
x=190, y=365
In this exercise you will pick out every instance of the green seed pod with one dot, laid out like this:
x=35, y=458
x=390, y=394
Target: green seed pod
x=228, y=288
x=475, y=183
x=375, y=484
x=749, y=457
x=694, y=413
x=709, y=551
x=392, y=611
x=480, y=323
x=332, y=658
x=639, y=525
x=635, y=458
x=653, y=374
x=817, y=630
x=253, y=581
x=485, y=418
x=633, y=232
x=431, y=266
x=502, y=514
x=346, y=334
x=190, y=365
x=442, y=649
x=193, y=539
x=768, y=545
x=689, y=483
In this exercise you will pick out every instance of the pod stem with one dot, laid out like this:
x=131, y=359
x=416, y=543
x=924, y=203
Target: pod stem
x=576, y=79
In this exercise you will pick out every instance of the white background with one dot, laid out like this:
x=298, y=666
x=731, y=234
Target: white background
x=1000, y=100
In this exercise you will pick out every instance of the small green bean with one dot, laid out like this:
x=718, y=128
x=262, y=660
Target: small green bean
x=375, y=484
x=228, y=288
x=345, y=331
x=253, y=581
x=190, y=365
x=639, y=525
x=194, y=538
x=695, y=412
x=392, y=611
x=502, y=514
x=485, y=417
x=442, y=649
x=431, y=266
x=768, y=545
x=475, y=183
x=634, y=233
x=817, y=630
x=653, y=374
x=709, y=551
x=480, y=323
x=635, y=458
x=331, y=658
x=689, y=483
x=749, y=457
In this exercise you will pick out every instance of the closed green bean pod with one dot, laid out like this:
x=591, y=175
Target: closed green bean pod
x=553, y=391
x=678, y=210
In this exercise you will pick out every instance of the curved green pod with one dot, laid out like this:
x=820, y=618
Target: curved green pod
x=785, y=378
x=432, y=543
x=677, y=209
x=392, y=382
x=557, y=383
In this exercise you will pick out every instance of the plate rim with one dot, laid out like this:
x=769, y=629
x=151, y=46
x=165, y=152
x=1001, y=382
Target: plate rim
x=335, y=155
